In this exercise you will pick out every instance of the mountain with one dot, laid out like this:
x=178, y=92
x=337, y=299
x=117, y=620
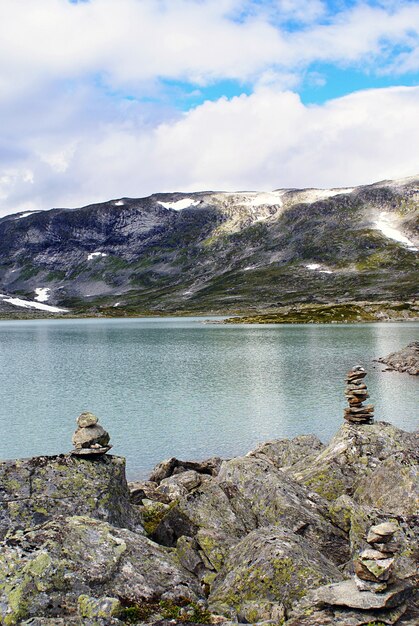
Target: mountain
x=217, y=251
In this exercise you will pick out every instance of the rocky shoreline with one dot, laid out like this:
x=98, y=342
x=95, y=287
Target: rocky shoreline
x=295, y=532
x=404, y=360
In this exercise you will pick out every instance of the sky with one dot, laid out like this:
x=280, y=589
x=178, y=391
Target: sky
x=103, y=99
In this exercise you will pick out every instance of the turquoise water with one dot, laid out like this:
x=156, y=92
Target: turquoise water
x=180, y=387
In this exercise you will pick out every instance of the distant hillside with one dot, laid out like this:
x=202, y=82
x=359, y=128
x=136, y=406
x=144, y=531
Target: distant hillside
x=216, y=251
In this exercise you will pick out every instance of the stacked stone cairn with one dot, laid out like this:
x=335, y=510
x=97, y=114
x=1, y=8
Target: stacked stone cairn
x=356, y=393
x=374, y=566
x=90, y=438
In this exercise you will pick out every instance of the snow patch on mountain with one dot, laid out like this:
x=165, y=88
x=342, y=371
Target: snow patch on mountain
x=253, y=198
x=22, y=215
x=119, y=203
x=314, y=195
x=178, y=205
x=30, y=304
x=387, y=225
x=256, y=199
x=42, y=294
x=318, y=268
x=94, y=255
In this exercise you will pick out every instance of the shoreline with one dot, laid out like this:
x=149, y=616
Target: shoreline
x=353, y=312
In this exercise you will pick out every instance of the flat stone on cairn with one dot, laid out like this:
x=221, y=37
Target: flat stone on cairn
x=90, y=438
x=356, y=393
x=372, y=587
x=374, y=566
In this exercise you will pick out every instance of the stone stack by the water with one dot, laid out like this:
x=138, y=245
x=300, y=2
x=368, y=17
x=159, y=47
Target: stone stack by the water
x=90, y=438
x=374, y=566
x=356, y=393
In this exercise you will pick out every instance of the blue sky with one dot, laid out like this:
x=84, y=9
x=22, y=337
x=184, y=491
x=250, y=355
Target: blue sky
x=106, y=98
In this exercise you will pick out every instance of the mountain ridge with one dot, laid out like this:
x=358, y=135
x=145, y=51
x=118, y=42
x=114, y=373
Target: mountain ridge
x=218, y=251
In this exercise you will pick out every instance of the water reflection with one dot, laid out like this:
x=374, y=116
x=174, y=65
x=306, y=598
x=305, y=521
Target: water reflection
x=180, y=387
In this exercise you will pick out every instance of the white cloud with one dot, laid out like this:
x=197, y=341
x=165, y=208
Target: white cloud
x=70, y=134
x=130, y=42
x=263, y=141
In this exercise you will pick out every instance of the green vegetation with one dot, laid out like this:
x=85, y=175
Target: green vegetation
x=28, y=271
x=333, y=313
x=184, y=612
x=153, y=514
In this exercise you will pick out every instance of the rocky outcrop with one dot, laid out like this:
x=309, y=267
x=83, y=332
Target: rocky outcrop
x=295, y=532
x=174, y=466
x=354, y=453
x=67, y=564
x=33, y=491
x=286, y=453
x=405, y=360
x=270, y=568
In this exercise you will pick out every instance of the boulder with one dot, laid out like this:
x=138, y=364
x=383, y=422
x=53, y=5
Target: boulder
x=207, y=507
x=285, y=453
x=275, y=498
x=98, y=608
x=393, y=486
x=35, y=490
x=73, y=563
x=215, y=546
x=146, y=489
x=248, y=493
x=171, y=466
x=353, y=453
x=178, y=485
x=270, y=565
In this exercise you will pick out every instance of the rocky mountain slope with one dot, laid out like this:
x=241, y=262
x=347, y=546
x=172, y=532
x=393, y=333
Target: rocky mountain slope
x=214, y=251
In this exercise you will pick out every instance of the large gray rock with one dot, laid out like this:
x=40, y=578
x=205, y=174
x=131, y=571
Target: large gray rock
x=35, y=490
x=284, y=453
x=270, y=565
x=248, y=493
x=172, y=466
x=354, y=453
x=393, y=486
x=50, y=570
x=146, y=489
x=275, y=498
x=206, y=507
x=178, y=485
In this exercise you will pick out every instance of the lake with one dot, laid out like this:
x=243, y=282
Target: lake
x=180, y=387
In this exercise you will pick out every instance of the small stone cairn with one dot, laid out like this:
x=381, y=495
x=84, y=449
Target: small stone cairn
x=90, y=438
x=374, y=566
x=356, y=393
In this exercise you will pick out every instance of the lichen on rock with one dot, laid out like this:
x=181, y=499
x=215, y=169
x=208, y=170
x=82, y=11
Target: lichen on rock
x=35, y=490
x=57, y=562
